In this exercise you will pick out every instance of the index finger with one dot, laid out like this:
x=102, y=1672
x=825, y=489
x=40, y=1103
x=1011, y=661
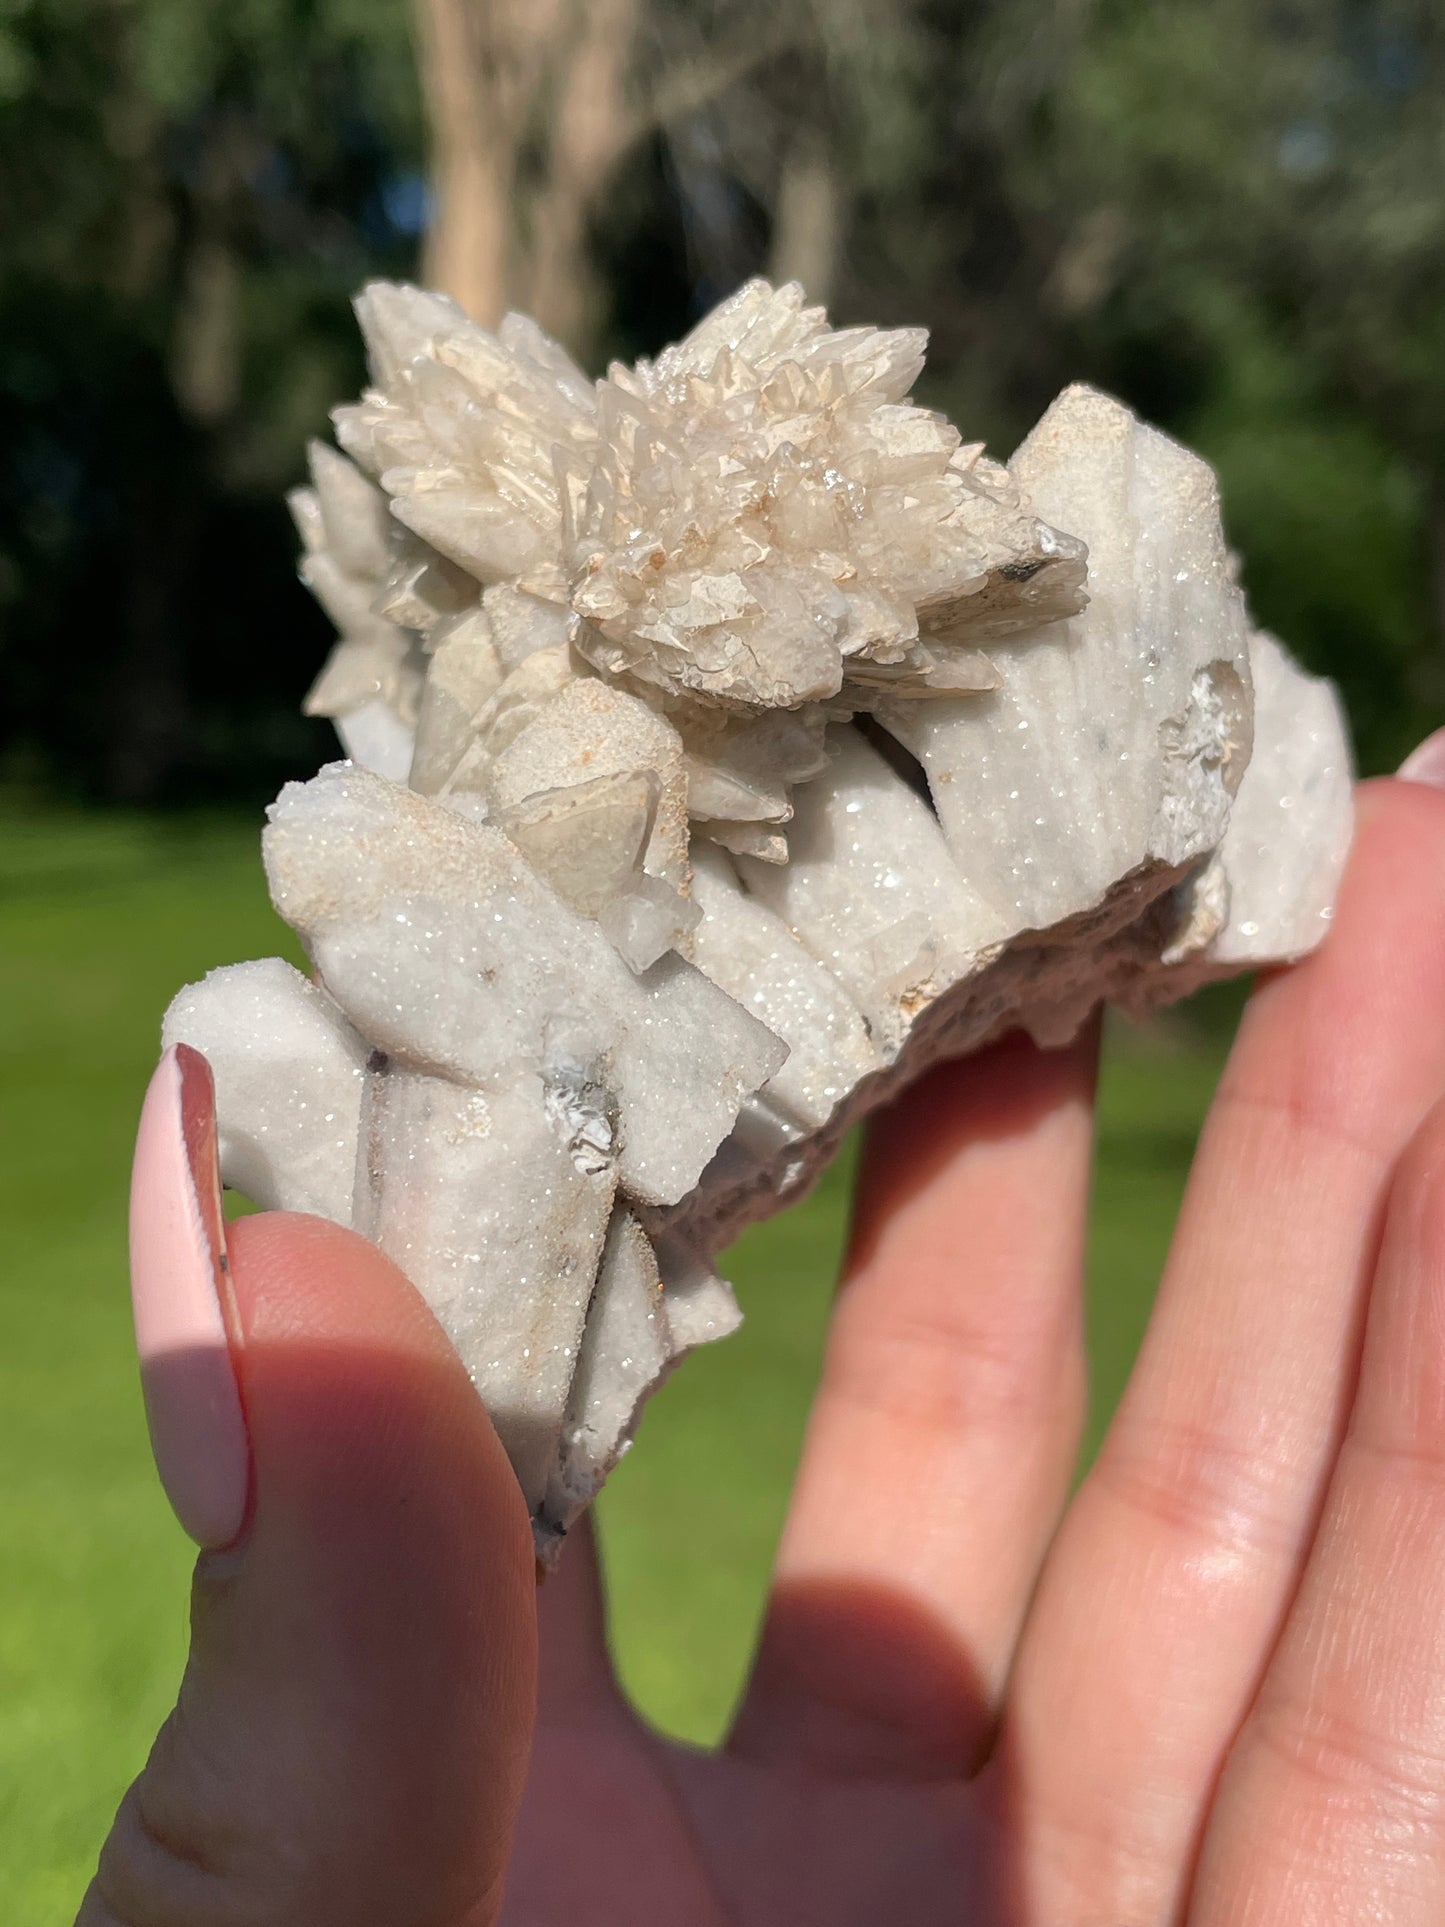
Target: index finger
x=943, y=1437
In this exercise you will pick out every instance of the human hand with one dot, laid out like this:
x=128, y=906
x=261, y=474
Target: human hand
x=1211, y=1686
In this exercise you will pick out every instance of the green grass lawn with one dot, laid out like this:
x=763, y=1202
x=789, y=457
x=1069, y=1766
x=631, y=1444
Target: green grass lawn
x=101, y=919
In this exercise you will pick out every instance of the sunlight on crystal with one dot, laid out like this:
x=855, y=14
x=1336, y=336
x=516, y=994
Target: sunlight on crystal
x=728, y=740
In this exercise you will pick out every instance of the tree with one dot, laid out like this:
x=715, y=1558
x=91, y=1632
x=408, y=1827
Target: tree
x=1272, y=178
x=191, y=195
x=1229, y=214
x=533, y=105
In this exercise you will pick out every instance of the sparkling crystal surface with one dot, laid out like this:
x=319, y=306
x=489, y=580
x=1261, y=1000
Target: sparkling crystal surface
x=728, y=741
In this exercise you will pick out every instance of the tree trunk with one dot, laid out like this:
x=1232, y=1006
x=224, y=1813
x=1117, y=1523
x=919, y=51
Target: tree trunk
x=1435, y=510
x=529, y=112
x=484, y=65
x=206, y=347
x=807, y=218
x=473, y=161
x=593, y=127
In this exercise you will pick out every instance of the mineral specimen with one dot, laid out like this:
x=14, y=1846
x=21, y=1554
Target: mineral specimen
x=728, y=741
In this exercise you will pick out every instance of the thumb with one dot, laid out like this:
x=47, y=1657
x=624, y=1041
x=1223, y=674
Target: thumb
x=352, y=1730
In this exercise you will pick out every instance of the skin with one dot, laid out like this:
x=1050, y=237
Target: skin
x=1210, y=1687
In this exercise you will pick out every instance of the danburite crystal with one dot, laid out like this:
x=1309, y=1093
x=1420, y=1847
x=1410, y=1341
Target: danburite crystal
x=768, y=518
x=292, y=1070
x=378, y=585
x=450, y=954
x=730, y=741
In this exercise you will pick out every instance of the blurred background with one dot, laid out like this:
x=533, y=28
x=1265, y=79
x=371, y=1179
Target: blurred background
x=1231, y=214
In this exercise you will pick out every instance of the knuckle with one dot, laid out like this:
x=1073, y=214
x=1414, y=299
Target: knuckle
x=181, y=1852
x=1403, y=1475
x=953, y=1369
x=1418, y=1195
x=1399, y=1415
x=142, y=1881
x=1203, y=1485
x=1350, y=1770
x=201, y=1840
x=1304, y=1111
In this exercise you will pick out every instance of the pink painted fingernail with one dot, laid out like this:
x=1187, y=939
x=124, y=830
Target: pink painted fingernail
x=1427, y=763
x=180, y=1293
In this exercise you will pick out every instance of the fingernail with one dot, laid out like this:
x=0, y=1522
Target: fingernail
x=1427, y=763
x=179, y=1293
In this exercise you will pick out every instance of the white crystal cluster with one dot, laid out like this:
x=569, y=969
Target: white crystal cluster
x=728, y=741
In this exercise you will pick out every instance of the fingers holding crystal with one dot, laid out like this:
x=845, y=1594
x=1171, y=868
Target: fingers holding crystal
x=351, y=1736
x=748, y=742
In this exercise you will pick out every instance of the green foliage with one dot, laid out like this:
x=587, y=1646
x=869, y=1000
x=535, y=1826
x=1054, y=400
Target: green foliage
x=1330, y=518
x=1269, y=179
x=1228, y=214
x=192, y=193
